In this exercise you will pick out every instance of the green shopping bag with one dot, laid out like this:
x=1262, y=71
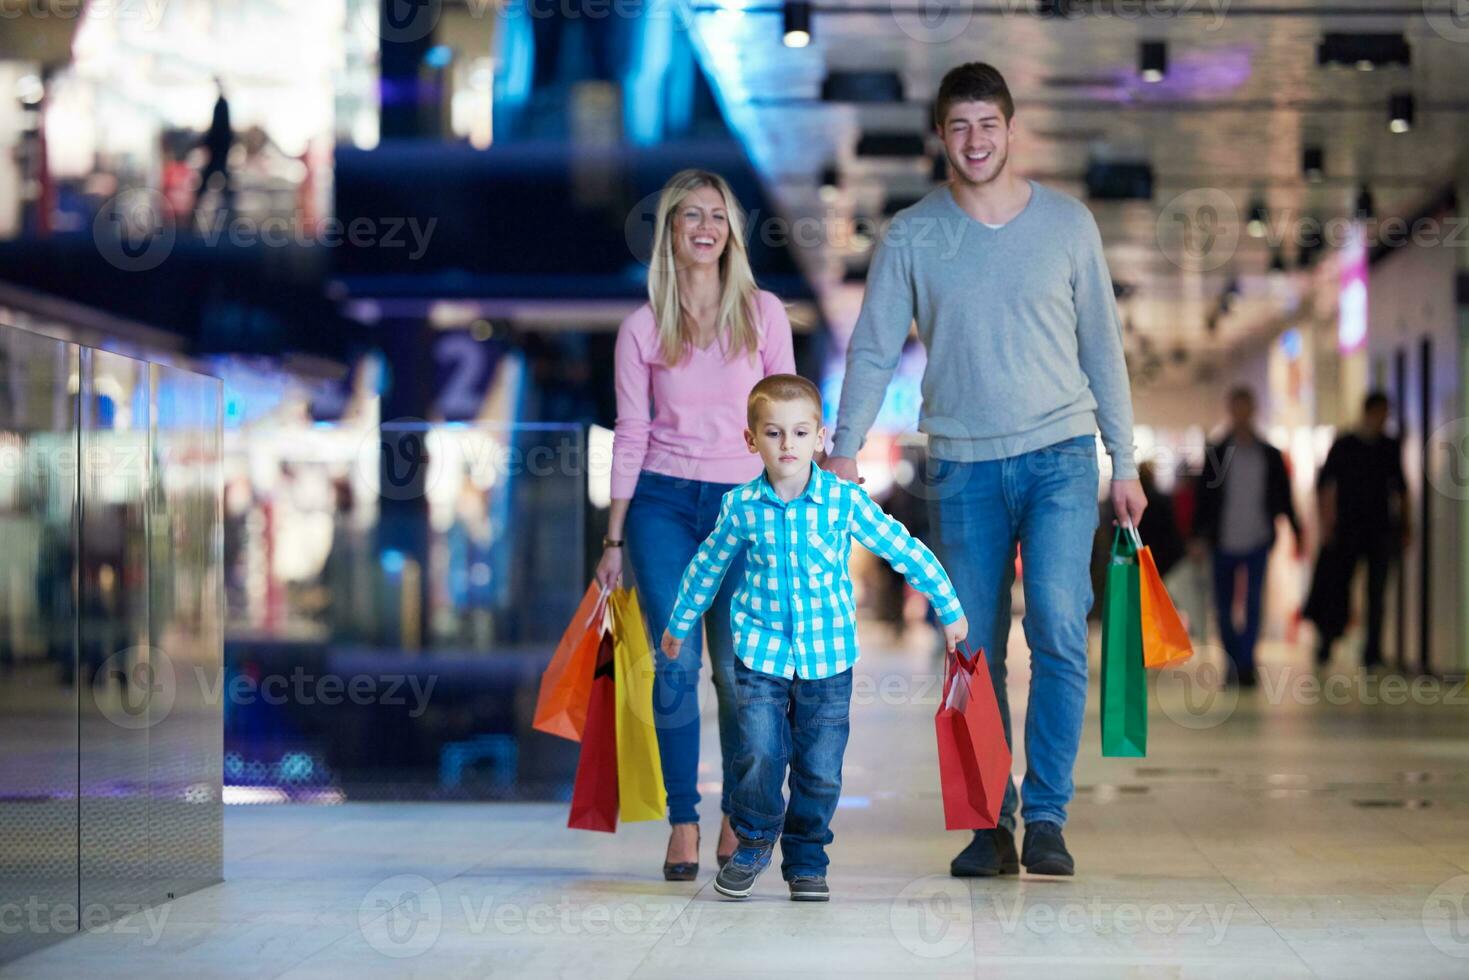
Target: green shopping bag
x=1124, y=679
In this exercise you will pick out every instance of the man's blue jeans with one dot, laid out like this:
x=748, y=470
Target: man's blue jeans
x=802, y=724
x=1239, y=644
x=668, y=519
x=1047, y=501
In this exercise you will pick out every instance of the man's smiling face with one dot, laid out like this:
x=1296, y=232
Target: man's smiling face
x=976, y=138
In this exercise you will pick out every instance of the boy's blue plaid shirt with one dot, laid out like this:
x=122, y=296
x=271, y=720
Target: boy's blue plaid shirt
x=793, y=614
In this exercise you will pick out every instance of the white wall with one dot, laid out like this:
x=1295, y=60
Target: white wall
x=1411, y=298
x=11, y=119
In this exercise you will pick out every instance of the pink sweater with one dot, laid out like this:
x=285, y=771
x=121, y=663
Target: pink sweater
x=688, y=421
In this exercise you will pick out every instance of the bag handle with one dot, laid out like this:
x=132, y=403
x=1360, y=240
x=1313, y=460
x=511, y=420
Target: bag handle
x=599, y=611
x=1137, y=539
x=1130, y=541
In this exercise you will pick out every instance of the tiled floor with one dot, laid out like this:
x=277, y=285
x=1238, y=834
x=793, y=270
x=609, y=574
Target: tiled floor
x=1302, y=829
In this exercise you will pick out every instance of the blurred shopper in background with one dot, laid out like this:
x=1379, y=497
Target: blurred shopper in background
x=685, y=364
x=1243, y=490
x=1363, y=505
x=218, y=140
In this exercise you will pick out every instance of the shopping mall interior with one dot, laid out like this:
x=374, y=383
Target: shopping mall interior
x=315, y=323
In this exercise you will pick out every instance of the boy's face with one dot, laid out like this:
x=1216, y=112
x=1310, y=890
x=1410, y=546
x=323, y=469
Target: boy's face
x=787, y=437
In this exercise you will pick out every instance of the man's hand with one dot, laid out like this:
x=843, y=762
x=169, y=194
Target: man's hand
x=1128, y=502
x=955, y=633
x=671, y=647
x=842, y=466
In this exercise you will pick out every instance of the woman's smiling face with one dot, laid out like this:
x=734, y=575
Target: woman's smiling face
x=700, y=228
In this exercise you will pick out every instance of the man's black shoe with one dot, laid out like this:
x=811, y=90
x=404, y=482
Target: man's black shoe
x=809, y=888
x=992, y=852
x=1045, y=851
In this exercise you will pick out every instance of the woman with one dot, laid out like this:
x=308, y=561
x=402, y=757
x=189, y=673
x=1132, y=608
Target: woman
x=685, y=363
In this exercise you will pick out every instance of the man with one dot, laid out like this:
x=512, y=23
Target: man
x=1243, y=490
x=1363, y=504
x=1014, y=304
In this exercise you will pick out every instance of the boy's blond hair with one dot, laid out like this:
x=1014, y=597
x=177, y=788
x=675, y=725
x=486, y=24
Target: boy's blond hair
x=781, y=388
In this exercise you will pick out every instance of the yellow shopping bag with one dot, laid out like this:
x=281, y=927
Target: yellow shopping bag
x=640, y=791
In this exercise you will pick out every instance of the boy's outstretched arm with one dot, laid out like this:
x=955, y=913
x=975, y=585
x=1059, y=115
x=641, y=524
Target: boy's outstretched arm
x=888, y=539
x=701, y=580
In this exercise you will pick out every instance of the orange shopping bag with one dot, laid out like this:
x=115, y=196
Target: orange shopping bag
x=1165, y=641
x=566, y=685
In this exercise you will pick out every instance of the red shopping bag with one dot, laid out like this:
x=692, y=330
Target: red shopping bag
x=594, y=795
x=561, y=706
x=974, y=758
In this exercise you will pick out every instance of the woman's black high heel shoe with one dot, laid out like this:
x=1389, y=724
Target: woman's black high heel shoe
x=683, y=870
x=723, y=859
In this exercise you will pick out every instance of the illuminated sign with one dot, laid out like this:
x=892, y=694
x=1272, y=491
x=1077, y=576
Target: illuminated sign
x=1351, y=327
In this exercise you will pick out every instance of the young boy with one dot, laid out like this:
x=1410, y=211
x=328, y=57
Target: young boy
x=795, y=631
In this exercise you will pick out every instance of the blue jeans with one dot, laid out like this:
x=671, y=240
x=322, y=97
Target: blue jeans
x=1239, y=644
x=800, y=724
x=668, y=519
x=1047, y=501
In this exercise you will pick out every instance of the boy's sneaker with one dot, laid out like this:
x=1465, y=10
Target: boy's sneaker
x=809, y=888
x=1045, y=850
x=992, y=852
x=737, y=878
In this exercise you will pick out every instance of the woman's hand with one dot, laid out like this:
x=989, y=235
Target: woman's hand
x=671, y=647
x=609, y=569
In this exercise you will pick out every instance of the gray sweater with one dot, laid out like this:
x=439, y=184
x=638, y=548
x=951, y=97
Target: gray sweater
x=1020, y=324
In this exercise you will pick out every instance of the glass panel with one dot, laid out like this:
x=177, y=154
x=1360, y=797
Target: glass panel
x=38, y=659
x=415, y=670
x=186, y=730
x=115, y=657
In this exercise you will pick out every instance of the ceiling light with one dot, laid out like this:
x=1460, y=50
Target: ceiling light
x=1363, y=52
x=1400, y=112
x=1152, y=61
x=830, y=184
x=1259, y=218
x=1119, y=181
x=1365, y=208
x=797, y=25
x=862, y=86
x=891, y=144
x=1313, y=163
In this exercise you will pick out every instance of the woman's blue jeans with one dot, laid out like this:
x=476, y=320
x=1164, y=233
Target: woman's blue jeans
x=668, y=519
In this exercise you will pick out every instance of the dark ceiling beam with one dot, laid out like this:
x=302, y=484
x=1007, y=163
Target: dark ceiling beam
x=1119, y=9
x=1027, y=103
x=851, y=176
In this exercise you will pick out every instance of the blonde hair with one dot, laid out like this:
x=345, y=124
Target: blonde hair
x=735, y=325
x=781, y=388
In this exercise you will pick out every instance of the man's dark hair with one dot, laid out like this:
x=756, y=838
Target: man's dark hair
x=1242, y=391
x=972, y=82
x=1375, y=400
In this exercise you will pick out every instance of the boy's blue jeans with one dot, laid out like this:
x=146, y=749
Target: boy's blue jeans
x=668, y=519
x=798, y=723
x=1047, y=501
